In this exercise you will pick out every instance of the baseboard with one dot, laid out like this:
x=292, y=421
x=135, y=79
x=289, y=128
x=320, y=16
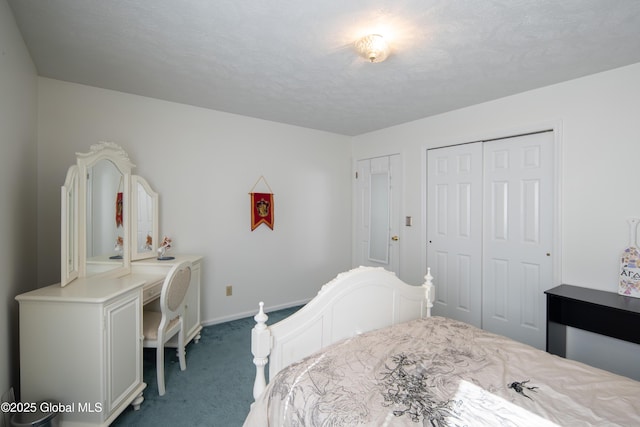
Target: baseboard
x=252, y=313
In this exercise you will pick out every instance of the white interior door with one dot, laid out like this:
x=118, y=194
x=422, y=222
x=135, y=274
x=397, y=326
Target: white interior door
x=518, y=236
x=490, y=233
x=454, y=224
x=379, y=186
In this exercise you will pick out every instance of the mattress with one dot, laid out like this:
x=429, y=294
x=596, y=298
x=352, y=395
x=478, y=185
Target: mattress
x=441, y=372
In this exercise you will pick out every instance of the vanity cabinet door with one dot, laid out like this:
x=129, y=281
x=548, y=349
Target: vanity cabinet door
x=123, y=345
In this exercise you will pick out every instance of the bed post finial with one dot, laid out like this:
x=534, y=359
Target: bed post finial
x=261, y=318
x=261, y=348
x=429, y=290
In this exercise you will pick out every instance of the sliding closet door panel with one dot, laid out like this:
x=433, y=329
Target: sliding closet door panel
x=465, y=284
x=442, y=205
x=440, y=265
x=499, y=215
x=530, y=303
x=464, y=203
x=531, y=216
x=497, y=272
x=518, y=183
x=454, y=229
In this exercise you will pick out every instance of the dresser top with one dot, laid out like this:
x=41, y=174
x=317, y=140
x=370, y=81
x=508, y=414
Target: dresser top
x=99, y=289
x=597, y=297
x=91, y=289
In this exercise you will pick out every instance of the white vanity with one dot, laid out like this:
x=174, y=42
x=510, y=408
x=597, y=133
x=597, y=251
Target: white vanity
x=81, y=339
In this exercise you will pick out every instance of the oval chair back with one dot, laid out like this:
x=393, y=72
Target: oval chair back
x=175, y=289
x=160, y=327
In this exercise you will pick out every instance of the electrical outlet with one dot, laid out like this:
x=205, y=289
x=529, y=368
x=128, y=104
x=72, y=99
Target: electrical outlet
x=229, y=290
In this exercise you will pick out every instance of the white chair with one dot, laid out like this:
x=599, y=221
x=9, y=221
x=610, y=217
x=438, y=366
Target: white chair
x=160, y=327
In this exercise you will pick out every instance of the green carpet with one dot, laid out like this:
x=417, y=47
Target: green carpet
x=217, y=387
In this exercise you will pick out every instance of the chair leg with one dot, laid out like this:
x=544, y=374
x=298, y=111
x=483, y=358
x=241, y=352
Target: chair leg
x=160, y=369
x=181, y=351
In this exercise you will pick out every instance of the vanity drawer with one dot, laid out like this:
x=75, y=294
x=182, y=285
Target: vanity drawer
x=151, y=291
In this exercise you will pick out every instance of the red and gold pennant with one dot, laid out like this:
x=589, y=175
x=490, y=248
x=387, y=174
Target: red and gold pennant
x=119, y=209
x=261, y=210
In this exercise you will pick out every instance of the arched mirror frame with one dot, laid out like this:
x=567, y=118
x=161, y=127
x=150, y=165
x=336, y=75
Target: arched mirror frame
x=138, y=185
x=101, y=151
x=69, y=227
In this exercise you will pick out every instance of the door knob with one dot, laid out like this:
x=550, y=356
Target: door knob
x=394, y=238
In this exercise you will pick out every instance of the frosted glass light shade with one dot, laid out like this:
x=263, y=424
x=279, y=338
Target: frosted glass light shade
x=373, y=47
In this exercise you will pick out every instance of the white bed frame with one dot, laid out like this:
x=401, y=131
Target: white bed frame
x=357, y=301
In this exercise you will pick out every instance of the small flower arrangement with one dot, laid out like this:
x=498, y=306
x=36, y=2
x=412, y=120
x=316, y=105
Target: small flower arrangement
x=119, y=243
x=118, y=248
x=164, y=245
x=148, y=244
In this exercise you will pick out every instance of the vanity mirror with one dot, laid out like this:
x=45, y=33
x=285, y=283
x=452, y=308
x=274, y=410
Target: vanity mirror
x=144, y=215
x=98, y=199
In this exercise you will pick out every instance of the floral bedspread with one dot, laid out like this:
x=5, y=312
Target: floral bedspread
x=440, y=372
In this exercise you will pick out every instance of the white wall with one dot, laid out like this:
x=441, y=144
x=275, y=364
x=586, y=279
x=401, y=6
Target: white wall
x=600, y=139
x=204, y=163
x=18, y=104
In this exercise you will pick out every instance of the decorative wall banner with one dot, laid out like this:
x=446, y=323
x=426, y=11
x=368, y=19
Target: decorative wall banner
x=119, y=205
x=119, y=209
x=261, y=210
x=261, y=206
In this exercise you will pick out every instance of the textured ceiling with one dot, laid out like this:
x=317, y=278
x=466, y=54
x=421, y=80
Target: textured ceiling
x=293, y=61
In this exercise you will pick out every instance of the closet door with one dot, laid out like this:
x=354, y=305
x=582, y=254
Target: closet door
x=490, y=233
x=518, y=236
x=454, y=224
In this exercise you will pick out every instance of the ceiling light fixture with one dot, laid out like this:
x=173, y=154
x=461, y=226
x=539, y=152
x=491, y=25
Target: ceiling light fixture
x=373, y=47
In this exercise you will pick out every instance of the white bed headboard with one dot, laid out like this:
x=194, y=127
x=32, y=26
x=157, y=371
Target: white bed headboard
x=357, y=301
